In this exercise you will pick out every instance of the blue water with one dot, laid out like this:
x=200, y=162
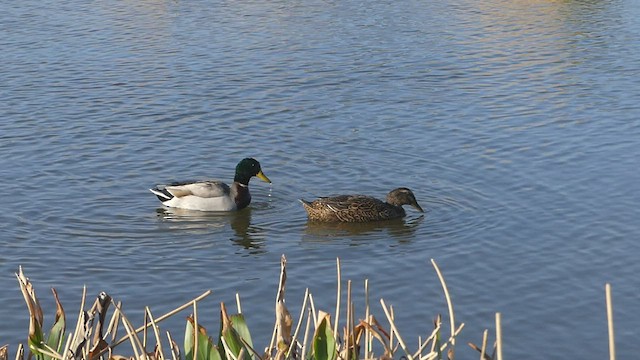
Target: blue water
x=515, y=123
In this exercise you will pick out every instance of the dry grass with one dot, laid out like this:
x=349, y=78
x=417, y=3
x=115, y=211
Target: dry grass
x=316, y=335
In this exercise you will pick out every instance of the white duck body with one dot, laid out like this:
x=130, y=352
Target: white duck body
x=212, y=195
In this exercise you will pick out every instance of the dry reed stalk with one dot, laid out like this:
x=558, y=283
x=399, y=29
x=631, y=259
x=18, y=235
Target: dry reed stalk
x=227, y=350
x=612, y=343
x=483, y=351
x=499, y=336
x=196, y=330
x=306, y=333
x=313, y=311
x=155, y=332
x=175, y=349
x=238, y=305
x=80, y=321
x=449, y=341
x=367, y=336
x=113, y=324
x=167, y=315
x=279, y=298
x=449, y=303
x=347, y=332
x=338, y=297
x=144, y=332
x=422, y=345
x=49, y=351
x=20, y=352
x=295, y=333
x=395, y=329
x=392, y=333
x=132, y=335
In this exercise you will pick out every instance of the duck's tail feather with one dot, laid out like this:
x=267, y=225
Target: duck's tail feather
x=162, y=193
x=305, y=202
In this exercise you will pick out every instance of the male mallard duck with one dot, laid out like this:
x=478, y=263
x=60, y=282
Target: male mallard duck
x=360, y=208
x=212, y=195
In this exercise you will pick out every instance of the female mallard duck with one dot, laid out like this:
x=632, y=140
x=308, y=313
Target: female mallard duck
x=360, y=208
x=212, y=195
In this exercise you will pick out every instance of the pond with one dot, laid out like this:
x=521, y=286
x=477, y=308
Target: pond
x=515, y=123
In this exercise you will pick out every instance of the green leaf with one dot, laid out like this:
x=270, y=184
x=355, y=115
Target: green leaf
x=324, y=345
x=206, y=350
x=240, y=325
x=56, y=335
x=35, y=340
x=233, y=340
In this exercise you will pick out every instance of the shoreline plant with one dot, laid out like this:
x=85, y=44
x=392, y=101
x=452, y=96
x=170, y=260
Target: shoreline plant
x=317, y=335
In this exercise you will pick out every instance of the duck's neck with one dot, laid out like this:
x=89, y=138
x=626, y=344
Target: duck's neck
x=242, y=179
x=241, y=195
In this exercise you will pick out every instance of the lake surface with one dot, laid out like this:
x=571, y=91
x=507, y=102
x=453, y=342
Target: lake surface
x=515, y=123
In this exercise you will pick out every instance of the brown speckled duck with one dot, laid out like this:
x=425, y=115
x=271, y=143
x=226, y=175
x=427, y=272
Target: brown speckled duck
x=360, y=208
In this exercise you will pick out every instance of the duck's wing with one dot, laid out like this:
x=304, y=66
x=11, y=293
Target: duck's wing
x=343, y=202
x=202, y=189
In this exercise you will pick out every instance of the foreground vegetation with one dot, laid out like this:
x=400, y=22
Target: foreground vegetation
x=315, y=336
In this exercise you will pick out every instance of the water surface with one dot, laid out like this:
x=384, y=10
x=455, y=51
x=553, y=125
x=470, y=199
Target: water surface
x=514, y=122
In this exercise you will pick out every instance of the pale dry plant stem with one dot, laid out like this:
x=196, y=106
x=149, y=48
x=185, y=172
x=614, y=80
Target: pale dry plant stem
x=49, y=351
x=313, y=311
x=337, y=318
x=444, y=346
x=279, y=296
x=167, y=315
x=367, y=335
x=424, y=344
x=499, y=336
x=485, y=336
x=132, y=336
x=347, y=334
x=295, y=334
x=144, y=333
x=81, y=317
x=391, y=333
x=174, y=355
x=227, y=350
x=306, y=334
x=112, y=329
x=449, y=303
x=612, y=343
x=238, y=305
x=394, y=329
x=155, y=332
x=196, y=331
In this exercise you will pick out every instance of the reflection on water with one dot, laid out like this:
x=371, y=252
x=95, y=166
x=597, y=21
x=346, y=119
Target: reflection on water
x=246, y=235
x=403, y=230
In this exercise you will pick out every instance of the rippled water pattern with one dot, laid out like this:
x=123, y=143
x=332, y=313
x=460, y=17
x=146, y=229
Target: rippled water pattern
x=514, y=122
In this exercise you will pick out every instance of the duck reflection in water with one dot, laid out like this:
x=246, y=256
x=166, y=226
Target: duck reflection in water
x=403, y=230
x=244, y=234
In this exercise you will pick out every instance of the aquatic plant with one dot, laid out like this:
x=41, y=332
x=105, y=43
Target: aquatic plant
x=315, y=336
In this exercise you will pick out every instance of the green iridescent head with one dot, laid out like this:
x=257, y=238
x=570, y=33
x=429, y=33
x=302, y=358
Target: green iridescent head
x=248, y=168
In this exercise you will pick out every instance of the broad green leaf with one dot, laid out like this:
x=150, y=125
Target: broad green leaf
x=189, y=339
x=35, y=339
x=56, y=335
x=232, y=338
x=324, y=345
x=206, y=350
x=240, y=325
x=230, y=335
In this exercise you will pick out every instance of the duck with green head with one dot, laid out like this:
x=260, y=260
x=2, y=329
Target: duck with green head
x=212, y=195
x=360, y=208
